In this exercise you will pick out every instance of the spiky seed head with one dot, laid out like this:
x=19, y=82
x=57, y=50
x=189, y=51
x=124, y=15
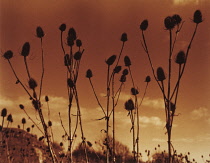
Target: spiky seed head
x=144, y=25
x=21, y=106
x=89, y=144
x=61, y=144
x=148, y=79
x=125, y=72
x=127, y=61
x=9, y=118
x=49, y=123
x=4, y=112
x=77, y=55
x=25, y=49
x=172, y=106
x=177, y=19
x=67, y=61
x=62, y=27
x=32, y=126
x=46, y=98
x=70, y=41
x=89, y=73
x=134, y=91
x=123, y=78
x=8, y=54
x=124, y=37
x=39, y=32
x=78, y=43
x=117, y=69
x=72, y=34
x=160, y=74
x=28, y=129
x=70, y=83
x=129, y=105
x=36, y=104
x=23, y=120
x=180, y=58
x=197, y=17
x=111, y=60
x=32, y=83
x=169, y=23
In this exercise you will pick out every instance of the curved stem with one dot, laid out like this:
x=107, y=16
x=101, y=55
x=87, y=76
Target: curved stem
x=42, y=76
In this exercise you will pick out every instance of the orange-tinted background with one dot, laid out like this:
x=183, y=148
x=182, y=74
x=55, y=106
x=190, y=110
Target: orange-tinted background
x=99, y=24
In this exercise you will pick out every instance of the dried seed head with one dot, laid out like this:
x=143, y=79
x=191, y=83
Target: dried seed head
x=46, y=98
x=125, y=72
x=25, y=49
x=8, y=54
x=148, y=79
x=197, y=17
x=21, y=106
x=180, y=58
x=23, y=121
x=172, y=106
x=36, y=104
x=160, y=74
x=169, y=23
x=77, y=55
x=144, y=25
x=89, y=144
x=70, y=83
x=124, y=37
x=70, y=41
x=117, y=69
x=4, y=112
x=32, y=126
x=32, y=83
x=39, y=32
x=129, y=105
x=78, y=42
x=111, y=60
x=9, y=118
x=62, y=27
x=28, y=129
x=177, y=19
x=67, y=61
x=89, y=73
x=127, y=61
x=123, y=78
x=49, y=123
x=72, y=34
x=134, y=91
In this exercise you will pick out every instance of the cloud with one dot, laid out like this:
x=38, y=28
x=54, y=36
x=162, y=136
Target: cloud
x=200, y=113
x=184, y=2
x=155, y=121
x=153, y=103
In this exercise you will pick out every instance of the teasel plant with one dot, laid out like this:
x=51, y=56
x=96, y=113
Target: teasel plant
x=31, y=89
x=173, y=24
x=112, y=97
x=72, y=63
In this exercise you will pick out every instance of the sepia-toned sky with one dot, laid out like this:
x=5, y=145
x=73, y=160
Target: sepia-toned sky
x=99, y=24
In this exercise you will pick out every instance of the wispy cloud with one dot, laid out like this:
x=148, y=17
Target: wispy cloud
x=201, y=113
x=185, y=2
x=155, y=121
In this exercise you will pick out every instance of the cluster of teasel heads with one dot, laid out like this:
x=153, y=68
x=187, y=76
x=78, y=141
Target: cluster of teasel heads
x=170, y=94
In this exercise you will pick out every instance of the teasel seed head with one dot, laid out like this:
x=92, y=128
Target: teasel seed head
x=32, y=83
x=117, y=69
x=134, y=91
x=25, y=49
x=46, y=98
x=8, y=54
x=180, y=58
x=49, y=123
x=78, y=43
x=169, y=23
x=62, y=27
x=177, y=19
x=172, y=106
x=123, y=78
x=111, y=60
x=36, y=104
x=197, y=17
x=70, y=83
x=125, y=72
x=9, y=118
x=148, y=79
x=129, y=105
x=124, y=37
x=61, y=144
x=4, y=112
x=72, y=34
x=89, y=144
x=67, y=61
x=21, y=106
x=23, y=120
x=160, y=74
x=89, y=74
x=39, y=32
x=127, y=61
x=77, y=55
x=144, y=25
x=28, y=129
x=70, y=41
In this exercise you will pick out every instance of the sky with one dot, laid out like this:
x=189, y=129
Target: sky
x=99, y=24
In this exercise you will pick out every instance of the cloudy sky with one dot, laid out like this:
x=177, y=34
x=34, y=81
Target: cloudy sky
x=99, y=24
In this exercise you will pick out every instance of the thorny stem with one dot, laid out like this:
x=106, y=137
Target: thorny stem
x=107, y=118
x=123, y=44
x=133, y=128
x=25, y=61
x=62, y=124
x=62, y=43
